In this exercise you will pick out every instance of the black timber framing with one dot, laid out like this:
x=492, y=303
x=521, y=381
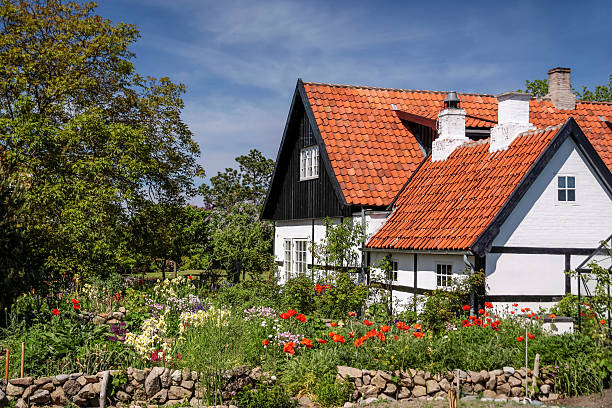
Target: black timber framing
x=570, y=129
x=541, y=250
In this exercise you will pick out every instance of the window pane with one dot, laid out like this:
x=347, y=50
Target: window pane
x=571, y=195
x=571, y=182
x=561, y=181
x=561, y=195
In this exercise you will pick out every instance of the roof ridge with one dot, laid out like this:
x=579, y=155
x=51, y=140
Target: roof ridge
x=595, y=102
x=379, y=88
x=541, y=130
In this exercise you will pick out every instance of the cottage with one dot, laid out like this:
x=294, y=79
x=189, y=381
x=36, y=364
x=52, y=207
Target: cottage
x=513, y=185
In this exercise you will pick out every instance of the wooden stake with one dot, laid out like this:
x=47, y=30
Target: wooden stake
x=22, y=356
x=6, y=370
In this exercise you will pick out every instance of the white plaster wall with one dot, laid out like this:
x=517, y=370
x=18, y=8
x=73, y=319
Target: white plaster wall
x=539, y=220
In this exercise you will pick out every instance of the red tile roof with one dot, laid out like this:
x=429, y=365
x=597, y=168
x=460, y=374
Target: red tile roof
x=449, y=203
x=373, y=154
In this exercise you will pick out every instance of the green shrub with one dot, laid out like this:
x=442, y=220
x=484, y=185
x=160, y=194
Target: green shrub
x=333, y=394
x=264, y=396
x=298, y=293
x=575, y=377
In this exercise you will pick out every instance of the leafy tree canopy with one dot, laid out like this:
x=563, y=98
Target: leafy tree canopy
x=601, y=93
x=96, y=139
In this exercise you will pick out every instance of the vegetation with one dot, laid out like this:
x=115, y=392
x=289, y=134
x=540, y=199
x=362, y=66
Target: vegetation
x=601, y=93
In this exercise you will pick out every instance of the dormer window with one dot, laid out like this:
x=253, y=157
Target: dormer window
x=566, y=188
x=309, y=163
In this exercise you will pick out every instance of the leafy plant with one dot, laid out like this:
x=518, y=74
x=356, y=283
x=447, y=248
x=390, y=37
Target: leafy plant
x=264, y=396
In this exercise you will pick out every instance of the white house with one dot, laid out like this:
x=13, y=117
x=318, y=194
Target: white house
x=516, y=186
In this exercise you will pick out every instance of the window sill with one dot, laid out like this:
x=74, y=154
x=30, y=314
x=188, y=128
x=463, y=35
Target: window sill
x=308, y=178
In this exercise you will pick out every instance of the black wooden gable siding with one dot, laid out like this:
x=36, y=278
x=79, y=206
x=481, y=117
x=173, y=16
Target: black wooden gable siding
x=297, y=199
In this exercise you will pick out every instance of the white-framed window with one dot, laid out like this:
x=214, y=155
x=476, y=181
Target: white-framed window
x=393, y=272
x=444, y=273
x=566, y=188
x=295, y=256
x=309, y=163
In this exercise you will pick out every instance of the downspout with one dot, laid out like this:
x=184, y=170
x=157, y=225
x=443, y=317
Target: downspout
x=471, y=267
x=363, y=255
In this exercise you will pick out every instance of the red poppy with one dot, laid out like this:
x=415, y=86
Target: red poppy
x=381, y=336
x=465, y=307
x=465, y=323
x=76, y=306
x=359, y=342
x=402, y=326
x=75, y=302
x=395, y=337
x=190, y=277
x=351, y=334
x=265, y=342
x=527, y=309
x=284, y=316
x=367, y=322
x=515, y=304
x=352, y=314
x=307, y=343
x=56, y=312
x=536, y=317
x=291, y=312
x=318, y=288
x=523, y=310
x=333, y=324
x=531, y=336
x=338, y=339
x=552, y=316
x=418, y=335
x=321, y=341
x=300, y=318
x=489, y=319
x=472, y=317
x=288, y=347
x=384, y=328
x=602, y=321
x=331, y=334
x=417, y=326
x=520, y=338
x=372, y=333
x=512, y=312
x=488, y=305
x=478, y=322
x=481, y=311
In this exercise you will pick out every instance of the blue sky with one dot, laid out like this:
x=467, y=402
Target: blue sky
x=240, y=59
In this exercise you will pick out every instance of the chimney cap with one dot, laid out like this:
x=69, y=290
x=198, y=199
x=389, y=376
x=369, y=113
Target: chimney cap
x=451, y=100
x=559, y=69
x=524, y=96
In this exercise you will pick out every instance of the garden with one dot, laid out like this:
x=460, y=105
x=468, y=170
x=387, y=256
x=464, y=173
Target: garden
x=257, y=344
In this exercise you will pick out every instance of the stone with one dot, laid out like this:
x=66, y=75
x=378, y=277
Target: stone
x=508, y=371
x=478, y=388
x=369, y=401
x=58, y=396
x=13, y=390
x=500, y=398
x=186, y=374
x=366, y=379
x=165, y=378
x=122, y=396
x=444, y=384
x=462, y=374
x=476, y=377
x=514, y=382
x=2, y=394
x=537, y=403
x=348, y=405
x=469, y=398
x=194, y=375
x=545, y=389
x=432, y=386
x=501, y=379
x=60, y=379
x=42, y=380
x=118, y=316
x=351, y=372
x=21, y=403
x=467, y=388
x=28, y=391
x=40, y=397
x=491, y=383
x=113, y=322
x=407, y=382
x=87, y=392
x=98, y=320
x=503, y=389
x=152, y=382
x=178, y=393
x=22, y=382
x=419, y=380
x=160, y=397
x=378, y=382
x=552, y=396
x=304, y=401
x=495, y=373
x=484, y=374
x=139, y=375
x=176, y=377
x=188, y=385
x=122, y=310
x=74, y=376
x=81, y=381
x=71, y=387
x=368, y=391
x=390, y=389
x=404, y=392
x=520, y=372
x=489, y=394
x=91, y=378
x=419, y=391
x=385, y=397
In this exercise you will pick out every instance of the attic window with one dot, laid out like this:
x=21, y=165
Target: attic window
x=566, y=188
x=309, y=163
x=309, y=139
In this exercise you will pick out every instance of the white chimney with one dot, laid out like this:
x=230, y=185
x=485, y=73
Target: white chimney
x=451, y=128
x=512, y=119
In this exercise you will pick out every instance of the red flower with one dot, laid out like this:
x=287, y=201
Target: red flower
x=552, y=316
x=300, y=318
x=75, y=302
x=536, y=317
x=367, y=322
x=402, y=326
x=488, y=305
x=512, y=312
x=602, y=321
x=351, y=334
x=321, y=341
x=489, y=319
x=465, y=307
x=395, y=337
x=291, y=312
x=381, y=336
x=372, y=333
x=338, y=339
x=472, y=318
x=331, y=334
x=352, y=314
x=307, y=343
x=520, y=338
x=478, y=322
x=288, y=347
x=359, y=342
x=515, y=304
x=265, y=342
x=56, y=312
x=384, y=328
x=76, y=306
x=526, y=309
x=418, y=335
x=190, y=277
x=333, y=324
x=523, y=310
x=284, y=316
x=531, y=336
x=481, y=311
x=465, y=323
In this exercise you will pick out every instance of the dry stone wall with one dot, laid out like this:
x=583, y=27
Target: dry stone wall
x=418, y=384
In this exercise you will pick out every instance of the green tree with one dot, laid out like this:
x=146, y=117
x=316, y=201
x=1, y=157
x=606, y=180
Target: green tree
x=601, y=93
x=240, y=240
x=97, y=140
